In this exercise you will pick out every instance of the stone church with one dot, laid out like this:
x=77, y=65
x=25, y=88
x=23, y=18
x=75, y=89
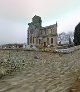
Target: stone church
x=38, y=35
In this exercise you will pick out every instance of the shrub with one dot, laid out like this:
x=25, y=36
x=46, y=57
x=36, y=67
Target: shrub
x=77, y=35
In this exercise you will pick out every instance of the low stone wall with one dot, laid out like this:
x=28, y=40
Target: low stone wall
x=68, y=50
x=54, y=49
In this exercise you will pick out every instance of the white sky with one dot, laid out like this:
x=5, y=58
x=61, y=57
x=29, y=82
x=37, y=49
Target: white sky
x=16, y=14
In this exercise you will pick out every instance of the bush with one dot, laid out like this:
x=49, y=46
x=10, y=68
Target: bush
x=39, y=46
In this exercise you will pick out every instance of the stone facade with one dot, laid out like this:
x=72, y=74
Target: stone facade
x=38, y=35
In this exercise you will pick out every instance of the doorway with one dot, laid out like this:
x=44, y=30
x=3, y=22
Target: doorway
x=44, y=44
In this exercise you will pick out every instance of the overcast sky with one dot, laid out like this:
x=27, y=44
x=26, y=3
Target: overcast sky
x=16, y=14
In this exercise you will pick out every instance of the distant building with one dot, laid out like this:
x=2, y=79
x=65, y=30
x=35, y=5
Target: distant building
x=38, y=35
x=12, y=46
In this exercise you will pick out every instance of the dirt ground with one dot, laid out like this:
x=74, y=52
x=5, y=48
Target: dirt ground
x=44, y=72
x=75, y=86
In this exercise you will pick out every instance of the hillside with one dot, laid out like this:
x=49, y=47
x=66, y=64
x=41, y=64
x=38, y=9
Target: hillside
x=38, y=71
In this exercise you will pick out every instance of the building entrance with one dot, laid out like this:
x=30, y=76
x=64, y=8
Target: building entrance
x=44, y=44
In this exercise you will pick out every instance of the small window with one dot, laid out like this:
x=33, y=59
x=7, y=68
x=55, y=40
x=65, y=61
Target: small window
x=51, y=30
x=51, y=40
x=45, y=31
x=39, y=41
x=47, y=40
x=33, y=39
x=36, y=41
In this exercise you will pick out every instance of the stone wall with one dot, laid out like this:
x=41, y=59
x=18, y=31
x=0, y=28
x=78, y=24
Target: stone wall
x=67, y=50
